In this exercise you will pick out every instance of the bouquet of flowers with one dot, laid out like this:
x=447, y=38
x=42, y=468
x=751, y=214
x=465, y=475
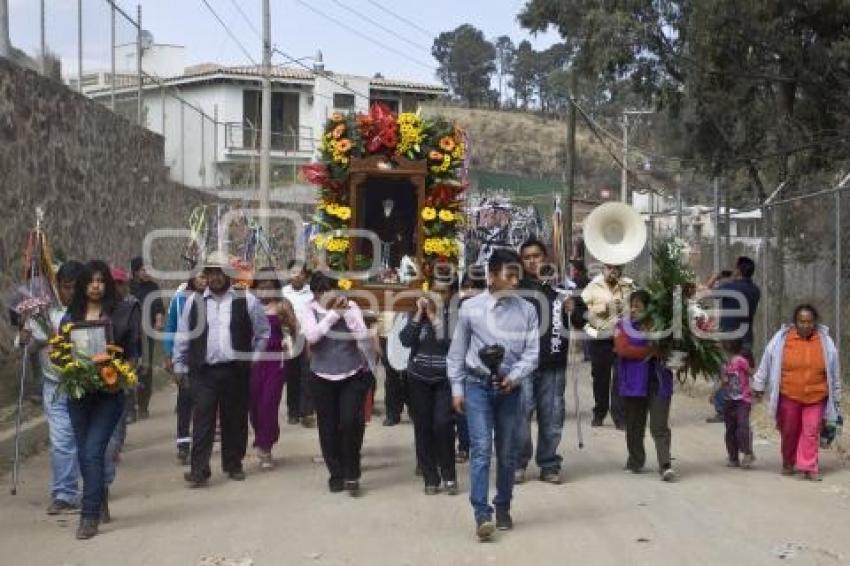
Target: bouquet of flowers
x=81, y=374
x=685, y=344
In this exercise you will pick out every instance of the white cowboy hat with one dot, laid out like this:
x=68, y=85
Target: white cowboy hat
x=217, y=259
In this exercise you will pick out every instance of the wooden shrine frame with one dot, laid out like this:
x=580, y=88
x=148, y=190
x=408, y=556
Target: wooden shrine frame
x=378, y=166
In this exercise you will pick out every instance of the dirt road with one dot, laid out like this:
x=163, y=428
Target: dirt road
x=600, y=516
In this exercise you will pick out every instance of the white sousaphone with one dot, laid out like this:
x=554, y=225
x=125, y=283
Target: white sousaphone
x=614, y=233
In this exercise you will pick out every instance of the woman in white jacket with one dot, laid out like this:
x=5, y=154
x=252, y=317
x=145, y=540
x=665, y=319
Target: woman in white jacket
x=799, y=370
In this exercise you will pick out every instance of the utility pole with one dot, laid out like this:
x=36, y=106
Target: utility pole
x=716, y=225
x=624, y=182
x=80, y=45
x=679, y=229
x=5, y=42
x=139, y=66
x=43, y=42
x=571, y=170
x=266, y=138
x=112, y=57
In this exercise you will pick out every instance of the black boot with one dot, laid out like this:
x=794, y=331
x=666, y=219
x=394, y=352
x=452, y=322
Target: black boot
x=183, y=454
x=104, y=507
x=87, y=528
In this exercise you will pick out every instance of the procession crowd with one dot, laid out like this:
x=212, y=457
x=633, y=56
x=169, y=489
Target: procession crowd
x=475, y=361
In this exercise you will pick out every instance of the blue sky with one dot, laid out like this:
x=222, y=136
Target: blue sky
x=296, y=30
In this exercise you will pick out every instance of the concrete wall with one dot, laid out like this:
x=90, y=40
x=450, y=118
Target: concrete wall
x=102, y=184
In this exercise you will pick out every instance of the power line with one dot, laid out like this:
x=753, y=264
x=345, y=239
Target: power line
x=380, y=26
x=229, y=32
x=325, y=75
x=401, y=18
x=246, y=18
x=364, y=36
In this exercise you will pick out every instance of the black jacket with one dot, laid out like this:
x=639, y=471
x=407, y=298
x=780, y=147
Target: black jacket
x=428, y=351
x=554, y=337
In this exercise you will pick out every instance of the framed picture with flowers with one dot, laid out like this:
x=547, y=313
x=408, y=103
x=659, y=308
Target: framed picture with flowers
x=400, y=177
x=90, y=338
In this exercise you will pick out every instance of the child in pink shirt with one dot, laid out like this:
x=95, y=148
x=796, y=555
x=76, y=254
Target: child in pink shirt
x=735, y=388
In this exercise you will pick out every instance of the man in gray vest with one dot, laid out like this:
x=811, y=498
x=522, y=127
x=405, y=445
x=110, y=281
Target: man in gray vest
x=216, y=345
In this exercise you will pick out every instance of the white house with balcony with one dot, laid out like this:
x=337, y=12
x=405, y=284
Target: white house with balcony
x=211, y=115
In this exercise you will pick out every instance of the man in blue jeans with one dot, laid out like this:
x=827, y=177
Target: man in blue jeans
x=496, y=317
x=64, y=488
x=543, y=392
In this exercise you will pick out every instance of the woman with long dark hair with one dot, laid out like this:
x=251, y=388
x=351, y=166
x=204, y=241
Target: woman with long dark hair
x=269, y=373
x=95, y=415
x=340, y=379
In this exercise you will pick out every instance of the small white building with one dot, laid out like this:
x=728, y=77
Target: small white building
x=698, y=223
x=211, y=115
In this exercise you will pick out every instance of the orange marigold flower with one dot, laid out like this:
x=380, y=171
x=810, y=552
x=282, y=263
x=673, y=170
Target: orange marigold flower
x=343, y=145
x=435, y=155
x=101, y=358
x=109, y=375
x=447, y=144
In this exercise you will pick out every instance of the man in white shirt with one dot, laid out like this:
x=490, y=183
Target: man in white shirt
x=299, y=401
x=606, y=298
x=216, y=345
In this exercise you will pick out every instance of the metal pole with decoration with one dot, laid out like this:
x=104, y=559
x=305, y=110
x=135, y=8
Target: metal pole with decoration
x=32, y=299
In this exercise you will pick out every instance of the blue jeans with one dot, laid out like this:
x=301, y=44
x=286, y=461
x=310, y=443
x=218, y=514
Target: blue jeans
x=114, y=447
x=94, y=418
x=490, y=416
x=543, y=392
x=719, y=402
x=63, y=445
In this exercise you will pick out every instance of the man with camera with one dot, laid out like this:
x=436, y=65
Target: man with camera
x=494, y=348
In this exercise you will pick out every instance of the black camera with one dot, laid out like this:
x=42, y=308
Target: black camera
x=492, y=357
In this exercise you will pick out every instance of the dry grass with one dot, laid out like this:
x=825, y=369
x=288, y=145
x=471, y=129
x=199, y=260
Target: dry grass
x=525, y=143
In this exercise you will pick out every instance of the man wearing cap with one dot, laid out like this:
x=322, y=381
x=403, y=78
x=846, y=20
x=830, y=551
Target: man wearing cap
x=141, y=286
x=217, y=338
x=606, y=297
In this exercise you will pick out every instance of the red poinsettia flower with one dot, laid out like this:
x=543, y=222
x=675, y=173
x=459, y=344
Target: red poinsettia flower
x=379, y=129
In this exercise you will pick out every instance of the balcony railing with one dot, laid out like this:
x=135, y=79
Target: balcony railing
x=238, y=136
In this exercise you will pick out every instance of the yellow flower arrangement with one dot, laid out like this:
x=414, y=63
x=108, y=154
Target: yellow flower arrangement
x=344, y=284
x=339, y=150
x=337, y=244
x=440, y=246
x=446, y=215
x=429, y=213
x=444, y=166
x=343, y=212
x=81, y=374
x=459, y=151
x=411, y=130
x=320, y=241
x=447, y=144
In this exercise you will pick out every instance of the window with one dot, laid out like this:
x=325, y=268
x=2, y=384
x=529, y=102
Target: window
x=391, y=103
x=285, y=119
x=343, y=101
